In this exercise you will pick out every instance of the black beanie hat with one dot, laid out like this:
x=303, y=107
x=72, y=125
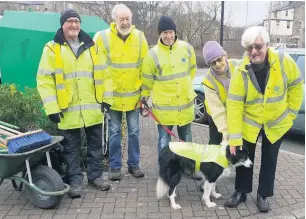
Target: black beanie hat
x=166, y=23
x=67, y=13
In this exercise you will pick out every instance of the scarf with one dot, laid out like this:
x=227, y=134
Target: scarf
x=223, y=78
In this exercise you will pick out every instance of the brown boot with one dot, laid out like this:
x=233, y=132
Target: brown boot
x=136, y=172
x=99, y=183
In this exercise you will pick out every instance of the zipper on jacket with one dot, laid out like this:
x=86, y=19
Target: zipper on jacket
x=71, y=50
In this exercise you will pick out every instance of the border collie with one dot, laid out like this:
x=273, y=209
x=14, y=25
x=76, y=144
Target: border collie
x=172, y=166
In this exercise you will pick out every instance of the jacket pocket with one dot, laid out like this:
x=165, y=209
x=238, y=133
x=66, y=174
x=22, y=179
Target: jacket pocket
x=69, y=90
x=281, y=120
x=162, y=101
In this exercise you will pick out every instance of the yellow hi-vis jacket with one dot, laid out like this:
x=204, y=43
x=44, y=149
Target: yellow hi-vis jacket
x=124, y=59
x=211, y=82
x=168, y=72
x=73, y=85
x=249, y=111
x=200, y=153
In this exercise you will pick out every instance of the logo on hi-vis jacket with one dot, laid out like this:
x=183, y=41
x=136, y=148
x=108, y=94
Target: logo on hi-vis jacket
x=183, y=59
x=277, y=89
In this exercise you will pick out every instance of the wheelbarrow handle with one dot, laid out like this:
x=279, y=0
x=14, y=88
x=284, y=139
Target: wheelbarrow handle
x=6, y=133
x=2, y=141
x=9, y=125
x=10, y=130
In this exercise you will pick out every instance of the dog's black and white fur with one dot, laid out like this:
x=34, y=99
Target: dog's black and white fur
x=172, y=166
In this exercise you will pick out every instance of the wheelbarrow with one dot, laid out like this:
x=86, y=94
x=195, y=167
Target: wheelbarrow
x=43, y=185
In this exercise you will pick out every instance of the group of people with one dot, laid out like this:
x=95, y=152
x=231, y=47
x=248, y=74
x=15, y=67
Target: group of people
x=80, y=78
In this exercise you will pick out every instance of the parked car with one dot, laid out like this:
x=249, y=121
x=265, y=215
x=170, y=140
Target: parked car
x=298, y=54
x=201, y=115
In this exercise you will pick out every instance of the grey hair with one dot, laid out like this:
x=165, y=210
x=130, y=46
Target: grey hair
x=117, y=7
x=249, y=36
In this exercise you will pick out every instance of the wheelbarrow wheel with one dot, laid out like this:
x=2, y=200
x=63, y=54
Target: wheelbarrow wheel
x=46, y=179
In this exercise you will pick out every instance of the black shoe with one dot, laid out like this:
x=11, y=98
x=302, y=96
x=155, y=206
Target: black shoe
x=115, y=174
x=136, y=172
x=99, y=183
x=262, y=204
x=75, y=191
x=235, y=199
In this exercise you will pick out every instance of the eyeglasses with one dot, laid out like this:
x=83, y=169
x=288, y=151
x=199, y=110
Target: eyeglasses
x=73, y=21
x=213, y=63
x=255, y=46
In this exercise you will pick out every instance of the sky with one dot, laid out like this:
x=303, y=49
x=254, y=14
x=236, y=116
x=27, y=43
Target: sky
x=257, y=12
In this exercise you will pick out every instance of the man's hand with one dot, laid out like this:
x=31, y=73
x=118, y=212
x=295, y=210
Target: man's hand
x=105, y=107
x=144, y=98
x=144, y=101
x=56, y=117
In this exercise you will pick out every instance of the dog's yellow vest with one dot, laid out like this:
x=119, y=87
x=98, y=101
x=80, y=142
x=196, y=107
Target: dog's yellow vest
x=199, y=153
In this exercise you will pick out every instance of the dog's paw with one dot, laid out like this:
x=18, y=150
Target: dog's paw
x=176, y=206
x=211, y=204
x=217, y=195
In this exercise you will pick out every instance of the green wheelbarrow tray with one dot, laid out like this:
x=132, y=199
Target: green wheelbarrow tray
x=12, y=164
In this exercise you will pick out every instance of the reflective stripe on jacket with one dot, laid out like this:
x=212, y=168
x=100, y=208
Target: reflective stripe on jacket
x=249, y=111
x=168, y=72
x=124, y=59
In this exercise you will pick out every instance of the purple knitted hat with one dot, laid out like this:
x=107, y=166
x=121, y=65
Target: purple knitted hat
x=212, y=50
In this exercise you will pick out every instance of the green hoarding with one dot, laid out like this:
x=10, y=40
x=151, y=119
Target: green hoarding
x=22, y=38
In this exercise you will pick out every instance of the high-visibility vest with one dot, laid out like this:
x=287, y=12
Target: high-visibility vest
x=62, y=96
x=200, y=153
x=124, y=59
x=249, y=111
x=168, y=73
x=211, y=82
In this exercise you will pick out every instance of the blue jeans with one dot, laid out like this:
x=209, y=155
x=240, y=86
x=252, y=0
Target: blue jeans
x=184, y=133
x=115, y=150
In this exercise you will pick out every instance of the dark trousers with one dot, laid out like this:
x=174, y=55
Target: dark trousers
x=215, y=137
x=71, y=153
x=244, y=176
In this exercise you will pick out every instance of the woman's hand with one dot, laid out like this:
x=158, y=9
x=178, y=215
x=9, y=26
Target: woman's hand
x=233, y=150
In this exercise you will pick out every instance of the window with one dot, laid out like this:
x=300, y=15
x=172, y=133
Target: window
x=301, y=64
x=288, y=24
x=286, y=13
x=278, y=40
x=277, y=23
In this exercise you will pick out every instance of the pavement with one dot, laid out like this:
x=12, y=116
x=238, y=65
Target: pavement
x=135, y=198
